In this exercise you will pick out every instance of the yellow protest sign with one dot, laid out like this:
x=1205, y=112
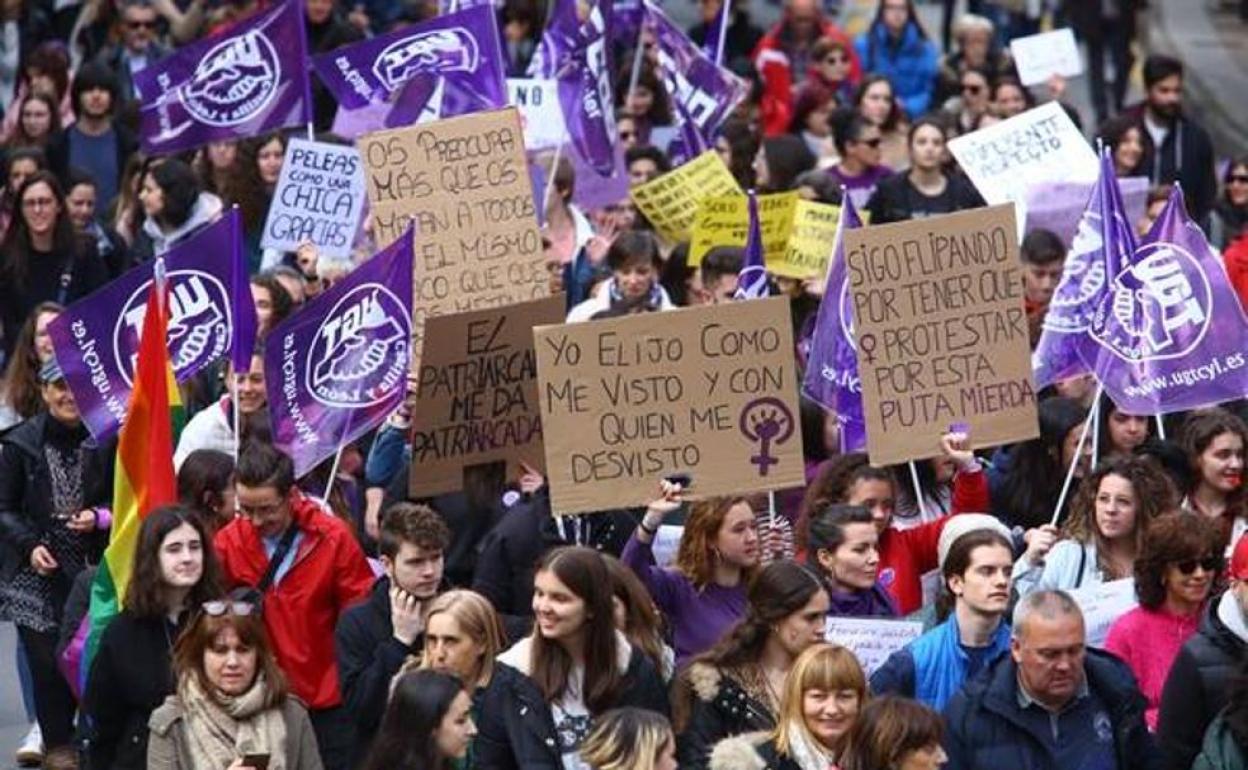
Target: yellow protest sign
x=724, y=221
x=670, y=202
x=810, y=242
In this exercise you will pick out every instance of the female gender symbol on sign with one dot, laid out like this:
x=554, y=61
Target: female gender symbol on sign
x=768, y=421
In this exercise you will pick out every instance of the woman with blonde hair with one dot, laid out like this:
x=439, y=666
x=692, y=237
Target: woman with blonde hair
x=823, y=693
x=630, y=739
x=232, y=704
x=704, y=595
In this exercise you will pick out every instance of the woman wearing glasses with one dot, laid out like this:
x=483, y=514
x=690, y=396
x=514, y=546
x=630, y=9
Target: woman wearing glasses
x=232, y=708
x=1173, y=579
x=174, y=572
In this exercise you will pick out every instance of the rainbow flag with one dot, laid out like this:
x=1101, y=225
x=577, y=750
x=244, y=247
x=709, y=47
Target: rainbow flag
x=143, y=478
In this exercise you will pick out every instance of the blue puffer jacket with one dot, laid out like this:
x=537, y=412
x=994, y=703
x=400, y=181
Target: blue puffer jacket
x=985, y=729
x=910, y=64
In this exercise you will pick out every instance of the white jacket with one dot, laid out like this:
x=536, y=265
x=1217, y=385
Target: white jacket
x=210, y=428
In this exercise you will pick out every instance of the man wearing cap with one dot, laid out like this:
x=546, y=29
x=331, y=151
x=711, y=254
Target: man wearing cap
x=1196, y=689
x=976, y=557
x=51, y=477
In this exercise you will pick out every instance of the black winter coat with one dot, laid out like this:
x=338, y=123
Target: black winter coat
x=721, y=707
x=511, y=551
x=984, y=731
x=1196, y=689
x=131, y=676
x=896, y=200
x=368, y=658
x=517, y=731
x=26, y=495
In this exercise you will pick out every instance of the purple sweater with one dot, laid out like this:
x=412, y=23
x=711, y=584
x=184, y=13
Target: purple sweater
x=697, y=618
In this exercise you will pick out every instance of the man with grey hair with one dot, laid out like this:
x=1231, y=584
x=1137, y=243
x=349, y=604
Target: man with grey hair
x=1052, y=703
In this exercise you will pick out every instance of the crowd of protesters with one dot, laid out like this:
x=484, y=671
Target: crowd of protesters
x=267, y=628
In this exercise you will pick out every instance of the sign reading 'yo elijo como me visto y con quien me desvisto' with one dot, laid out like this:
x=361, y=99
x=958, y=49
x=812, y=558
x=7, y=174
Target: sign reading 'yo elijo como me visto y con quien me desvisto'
x=710, y=392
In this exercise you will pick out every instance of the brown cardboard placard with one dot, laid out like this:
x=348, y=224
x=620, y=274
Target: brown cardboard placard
x=476, y=396
x=466, y=183
x=941, y=332
x=708, y=391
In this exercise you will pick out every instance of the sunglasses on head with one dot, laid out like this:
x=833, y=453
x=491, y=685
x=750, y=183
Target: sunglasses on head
x=1208, y=564
x=220, y=607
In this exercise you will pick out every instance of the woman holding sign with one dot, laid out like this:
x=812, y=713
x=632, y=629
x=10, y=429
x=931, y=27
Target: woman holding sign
x=1214, y=440
x=704, y=595
x=735, y=687
x=822, y=696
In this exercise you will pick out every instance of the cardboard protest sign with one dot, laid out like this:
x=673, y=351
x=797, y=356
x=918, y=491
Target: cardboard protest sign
x=872, y=640
x=318, y=198
x=709, y=391
x=476, y=399
x=724, y=221
x=810, y=242
x=671, y=201
x=1103, y=604
x=466, y=183
x=941, y=332
x=1040, y=145
x=1039, y=57
x=541, y=117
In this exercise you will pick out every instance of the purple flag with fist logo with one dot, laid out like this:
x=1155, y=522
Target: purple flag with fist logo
x=832, y=368
x=752, y=280
x=251, y=80
x=338, y=367
x=211, y=314
x=1168, y=333
x=1103, y=228
x=456, y=58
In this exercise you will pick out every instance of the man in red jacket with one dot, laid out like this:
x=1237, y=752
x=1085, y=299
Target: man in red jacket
x=309, y=569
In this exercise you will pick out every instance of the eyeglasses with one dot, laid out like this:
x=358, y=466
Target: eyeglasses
x=1237, y=179
x=1208, y=564
x=38, y=203
x=141, y=24
x=262, y=511
x=218, y=608
x=872, y=143
x=972, y=88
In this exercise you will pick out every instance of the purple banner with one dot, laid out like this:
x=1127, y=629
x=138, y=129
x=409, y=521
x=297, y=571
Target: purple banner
x=97, y=338
x=249, y=81
x=1169, y=333
x=243, y=340
x=558, y=40
x=339, y=366
x=463, y=44
x=702, y=93
x=587, y=96
x=752, y=280
x=1082, y=285
x=1058, y=206
x=832, y=369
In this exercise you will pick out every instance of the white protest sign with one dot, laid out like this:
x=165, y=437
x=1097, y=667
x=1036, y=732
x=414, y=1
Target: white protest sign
x=540, y=114
x=1102, y=605
x=666, y=544
x=1040, y=145
x=1039, y=57
x=872, y=640
x=318, y=198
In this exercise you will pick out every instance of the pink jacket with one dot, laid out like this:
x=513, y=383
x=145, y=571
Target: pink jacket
x=1148, y=641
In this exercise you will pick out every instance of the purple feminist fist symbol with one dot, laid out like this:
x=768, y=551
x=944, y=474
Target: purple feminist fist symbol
x=767, y=421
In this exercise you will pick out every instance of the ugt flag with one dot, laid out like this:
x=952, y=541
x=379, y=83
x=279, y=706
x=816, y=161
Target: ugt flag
x=1104, y=226
x=338, y=367
x=456, y=58
x=752, y=279
x=211, y=313
x=832, y=368
x=1169, y=334
x=251, y=80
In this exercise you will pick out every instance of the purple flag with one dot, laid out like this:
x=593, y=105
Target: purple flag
x=457, y=57
x=243, y=339
x=832, y=368
x=752, y=280
x=717, y=35
x=97, y=338
x=251, y=80
x=1169, y=333
x=702, y=93
x=339, y=366
x=1082, y=286
x=558, y=40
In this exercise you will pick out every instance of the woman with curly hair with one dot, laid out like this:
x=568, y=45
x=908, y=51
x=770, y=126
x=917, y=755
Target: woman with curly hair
x=1104, y=534
x=1174, y=576
x=250, y=185
x=705, y=593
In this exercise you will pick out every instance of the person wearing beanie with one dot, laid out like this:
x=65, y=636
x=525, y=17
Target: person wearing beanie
x=976, y=558
x=1198, y=685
